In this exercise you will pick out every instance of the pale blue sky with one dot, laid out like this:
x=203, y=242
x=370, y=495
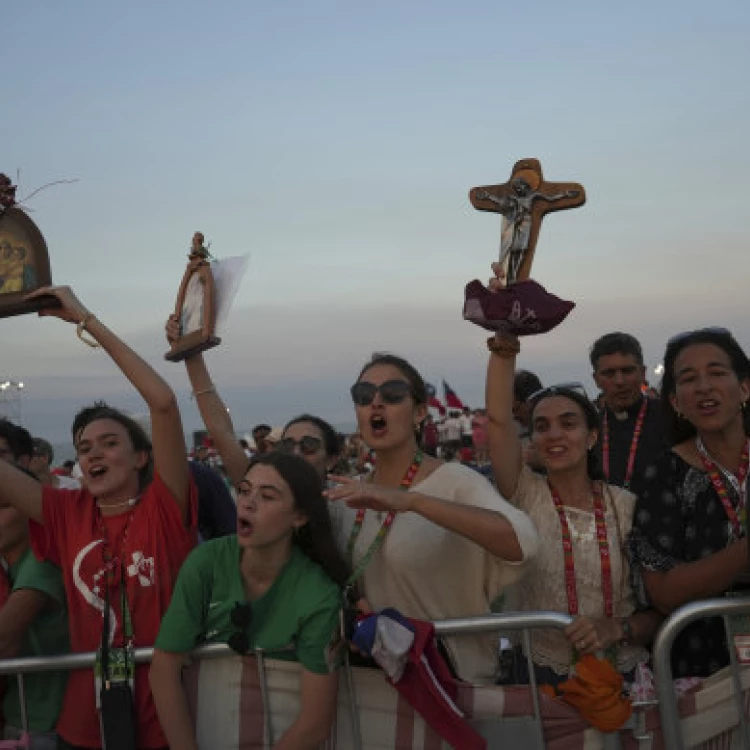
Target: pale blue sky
x=336, y=142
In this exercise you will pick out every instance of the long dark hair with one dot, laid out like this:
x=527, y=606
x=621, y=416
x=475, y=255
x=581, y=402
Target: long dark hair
x=315, y=538
x=593, y=469
x=677, y=429
x=138, y=436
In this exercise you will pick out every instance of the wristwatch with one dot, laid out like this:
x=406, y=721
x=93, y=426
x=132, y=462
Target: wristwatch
x=627, y=631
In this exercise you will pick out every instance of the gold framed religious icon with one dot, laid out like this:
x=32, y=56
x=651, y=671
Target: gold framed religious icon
x=523, y=307
x=24, y=260
x=195, y=308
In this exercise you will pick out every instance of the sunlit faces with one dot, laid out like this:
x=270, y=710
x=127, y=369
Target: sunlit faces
x=384, y=425
x=620, y=377
x=108, y=460
x=265, y=508
x=560, y=434
x=317, y=458
x=13, y=532
x=708, y=392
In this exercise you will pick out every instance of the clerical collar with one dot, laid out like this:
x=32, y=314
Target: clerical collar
x=628, y=411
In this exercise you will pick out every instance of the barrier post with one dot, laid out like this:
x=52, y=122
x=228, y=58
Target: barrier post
x=662, y=653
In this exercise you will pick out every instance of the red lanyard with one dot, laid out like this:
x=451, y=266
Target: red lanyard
x=633, y=443
x=406, y=482
x=112, y=564
x=603, y=543
x=718, y=474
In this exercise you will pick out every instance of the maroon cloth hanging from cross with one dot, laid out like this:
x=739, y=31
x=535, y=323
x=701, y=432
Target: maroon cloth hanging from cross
x=524, y=308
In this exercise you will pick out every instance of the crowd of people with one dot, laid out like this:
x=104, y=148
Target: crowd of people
x=616, y=514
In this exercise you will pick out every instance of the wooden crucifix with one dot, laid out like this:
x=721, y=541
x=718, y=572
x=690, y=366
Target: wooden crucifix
x=523, y=201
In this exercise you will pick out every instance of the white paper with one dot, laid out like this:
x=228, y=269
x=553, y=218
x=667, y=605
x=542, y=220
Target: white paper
x=228, y=274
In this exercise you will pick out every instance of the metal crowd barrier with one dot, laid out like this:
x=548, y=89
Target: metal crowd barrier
x=503, y=622
x=511, y=621
x=665, y=689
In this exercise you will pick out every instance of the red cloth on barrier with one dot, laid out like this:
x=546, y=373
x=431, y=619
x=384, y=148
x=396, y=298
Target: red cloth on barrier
x=431, y=690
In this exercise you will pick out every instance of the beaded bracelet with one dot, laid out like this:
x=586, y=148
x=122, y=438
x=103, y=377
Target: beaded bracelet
x=506, y=347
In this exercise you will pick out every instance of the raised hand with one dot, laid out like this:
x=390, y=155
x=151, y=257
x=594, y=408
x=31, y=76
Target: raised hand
x=71, y=308
x=172, y=328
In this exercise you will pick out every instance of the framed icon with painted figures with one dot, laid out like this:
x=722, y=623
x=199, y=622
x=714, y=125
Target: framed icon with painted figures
x=24, y=263
x=195, y=308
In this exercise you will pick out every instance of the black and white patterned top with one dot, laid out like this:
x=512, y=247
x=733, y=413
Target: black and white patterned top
x=678, y=519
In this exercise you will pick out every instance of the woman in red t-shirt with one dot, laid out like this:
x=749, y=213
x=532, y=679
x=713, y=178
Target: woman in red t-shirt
x=126, y=532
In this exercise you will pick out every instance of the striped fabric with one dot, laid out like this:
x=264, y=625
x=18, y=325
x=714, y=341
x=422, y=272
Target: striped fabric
x=226, y=703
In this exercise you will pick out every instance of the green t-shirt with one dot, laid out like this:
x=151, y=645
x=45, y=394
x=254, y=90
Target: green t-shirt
x=300, y=609
x=47, y=636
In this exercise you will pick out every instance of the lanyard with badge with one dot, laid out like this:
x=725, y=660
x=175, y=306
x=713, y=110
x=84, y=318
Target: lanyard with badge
x=739, y=625
x=114, y=668
x=348, y=612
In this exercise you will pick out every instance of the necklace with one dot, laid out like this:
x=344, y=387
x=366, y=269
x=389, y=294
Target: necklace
x=718, y=474
x=131, y=503
x=377, y=543
x=571, y=587
x=633, y=443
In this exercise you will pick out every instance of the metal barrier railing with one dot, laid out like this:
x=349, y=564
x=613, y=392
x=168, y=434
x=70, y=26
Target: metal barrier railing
x=510, y=621
x=662, y=651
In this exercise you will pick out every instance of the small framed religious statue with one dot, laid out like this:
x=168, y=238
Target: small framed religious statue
x=523, y=306
x=24, y=260
x=196, y=305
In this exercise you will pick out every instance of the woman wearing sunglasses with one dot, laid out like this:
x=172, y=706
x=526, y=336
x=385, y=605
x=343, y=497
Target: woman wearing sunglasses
x=582, y=568
x=431, y=539
x=688, y=541
x=275, y=585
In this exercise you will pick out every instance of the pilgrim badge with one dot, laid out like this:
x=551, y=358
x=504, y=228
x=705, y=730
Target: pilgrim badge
x=196, y=305
x=523, y=307
x=24, y=261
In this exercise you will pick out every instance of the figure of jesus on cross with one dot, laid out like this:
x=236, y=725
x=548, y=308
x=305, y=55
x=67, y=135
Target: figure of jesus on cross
x=520, y=202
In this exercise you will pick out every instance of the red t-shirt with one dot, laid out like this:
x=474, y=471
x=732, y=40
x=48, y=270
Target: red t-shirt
x=157, y=544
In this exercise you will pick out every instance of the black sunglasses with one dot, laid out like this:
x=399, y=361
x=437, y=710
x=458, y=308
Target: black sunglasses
x=308, y=445
x=241, y=616
x=392, y=392
x=561, y=389
x=716, y=330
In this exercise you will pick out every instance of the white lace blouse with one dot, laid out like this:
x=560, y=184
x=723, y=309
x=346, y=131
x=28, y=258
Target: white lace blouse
x=543, y=585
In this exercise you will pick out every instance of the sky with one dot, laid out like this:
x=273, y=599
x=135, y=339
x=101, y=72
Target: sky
x=336, y=144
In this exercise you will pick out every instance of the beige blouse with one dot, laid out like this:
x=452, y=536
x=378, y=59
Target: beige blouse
x=543, y=585
x=430, y=573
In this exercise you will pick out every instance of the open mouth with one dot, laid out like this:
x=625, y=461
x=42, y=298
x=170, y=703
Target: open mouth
x=95, y=472
x=557, y=450
x=244, y=527
x=378, y=425
x=708, y=406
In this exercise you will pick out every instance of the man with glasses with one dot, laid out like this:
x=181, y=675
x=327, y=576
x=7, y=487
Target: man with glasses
x=630, y=434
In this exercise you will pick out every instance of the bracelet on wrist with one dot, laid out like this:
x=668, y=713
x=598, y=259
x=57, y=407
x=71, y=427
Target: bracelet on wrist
x=81, y=327
x=506, y=346
x=627, y=631
x=210, y=389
